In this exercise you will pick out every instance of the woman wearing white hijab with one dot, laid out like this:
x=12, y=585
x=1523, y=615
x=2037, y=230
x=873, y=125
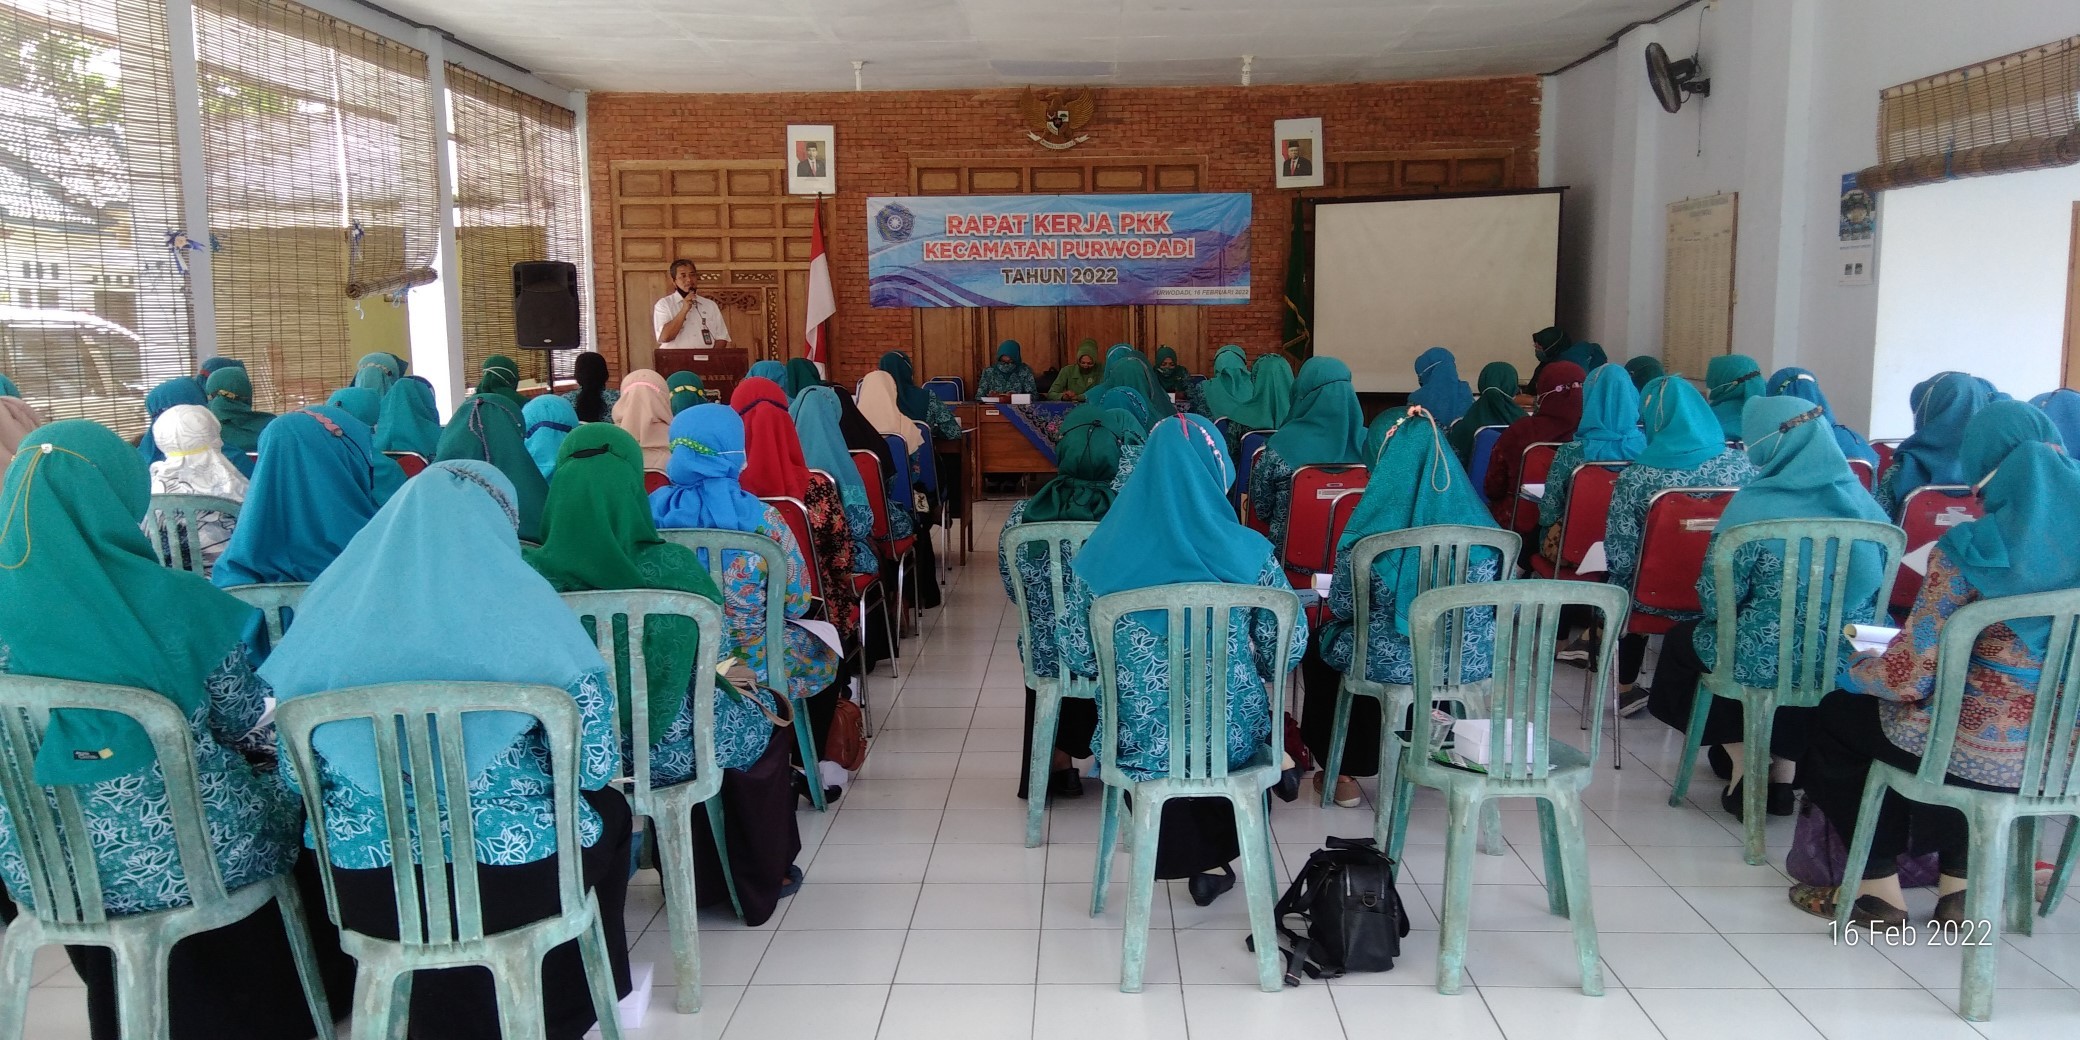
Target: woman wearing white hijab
x=193, y=442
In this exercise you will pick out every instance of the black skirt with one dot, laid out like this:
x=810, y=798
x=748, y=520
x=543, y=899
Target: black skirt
x=1318, y=718
x=758, y=806
x=1073, y=731
x=1196, y=835
x=459, y=1003
x=239, y=980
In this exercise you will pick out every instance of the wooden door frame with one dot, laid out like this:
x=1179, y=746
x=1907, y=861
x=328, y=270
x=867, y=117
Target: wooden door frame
x=2069, y=375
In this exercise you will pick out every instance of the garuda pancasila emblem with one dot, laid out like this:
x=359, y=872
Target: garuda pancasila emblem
x=1052, y=117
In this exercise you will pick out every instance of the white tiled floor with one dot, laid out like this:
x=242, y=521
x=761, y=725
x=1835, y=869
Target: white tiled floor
x=925, y=917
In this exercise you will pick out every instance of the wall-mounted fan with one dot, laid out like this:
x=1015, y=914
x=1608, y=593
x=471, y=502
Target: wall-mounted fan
x=1673, y=80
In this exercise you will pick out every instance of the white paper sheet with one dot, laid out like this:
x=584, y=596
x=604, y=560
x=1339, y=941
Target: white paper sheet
x=1870, y=637
x=1021, y=398
x=1593, y=561
x=1917, y=561
x=822, y=630
x=1533, y=492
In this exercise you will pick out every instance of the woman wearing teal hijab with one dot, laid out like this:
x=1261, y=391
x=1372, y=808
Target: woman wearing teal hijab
x=549, y=419
x=378, y=372
x=167, y=394
x=1327, y=428
x=1180, y=488
x=1129, y=400
x=1731, y=380
x=1943, y=407
x=1272, y=391
x=1608, y=432
x=1882, y=713
x=917, y=403
x=436, y=591
x=1008, y=375
x=501, y=376
x=685, y=389
x=1176, y=379
x=361, y=403
x=1801, y=474
x=1230, y=392
x=1799, y=383
x=1494, y=404
x=230, y=393
x=487, y=429
x=1416, y=482
x=1129, y=369
x=817, y=415
x=768, y=369
x=409, y=421
x=7, y=387
x=83, y=597
x=314, y=490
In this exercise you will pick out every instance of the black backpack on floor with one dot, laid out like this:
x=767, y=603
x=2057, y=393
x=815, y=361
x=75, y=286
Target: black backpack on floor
x=1354, y=919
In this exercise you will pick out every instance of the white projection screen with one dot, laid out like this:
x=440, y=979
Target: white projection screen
x=1477, y=274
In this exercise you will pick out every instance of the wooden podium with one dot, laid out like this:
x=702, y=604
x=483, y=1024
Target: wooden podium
x=720, y=370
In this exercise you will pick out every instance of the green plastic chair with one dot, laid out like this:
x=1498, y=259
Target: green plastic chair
x=65, y=893
x=1525, y=759
x=276, y=602
x=417, y=728
x=1200, y=617
x=711, y=544
x=669, y=809
x=1806, y=665
x=2002, y=873
x=1057, y=542
x=168, y=520
x=1446, y=559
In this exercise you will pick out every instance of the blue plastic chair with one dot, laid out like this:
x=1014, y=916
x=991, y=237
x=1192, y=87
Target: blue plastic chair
x=1445, y=552
x=711, y=544
x=1525, y=761
x=276, y=602
x=1483, y=446
x=1200, y=617
x=170, y=518
x=669, y=809
x=944, y=389
x=1054, y=544
x=417, y=728
x=2003, y=826
x=1807, y=664
x=65, y=888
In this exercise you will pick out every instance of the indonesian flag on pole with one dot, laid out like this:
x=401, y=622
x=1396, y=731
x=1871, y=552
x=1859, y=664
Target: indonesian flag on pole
x=823, y=302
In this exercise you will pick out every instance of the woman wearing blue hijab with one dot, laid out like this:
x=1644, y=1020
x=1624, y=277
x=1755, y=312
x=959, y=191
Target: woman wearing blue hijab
x=707, y=460
x=1801, y=474
x=1441, y=393
x=1607, y=432
x=436, y=591
x=768, y=369
x=409, y=421
x=1169, y=525
x=312, y=492
x=818, y=415
x=363, y=405
x=1799, y=383
x=548, y=419
x=2063, y=408
x=1416, y=482
x=162, y=397
x=1730, y=381
x=1943, y=407
x=378, y=372
x=1326, y=428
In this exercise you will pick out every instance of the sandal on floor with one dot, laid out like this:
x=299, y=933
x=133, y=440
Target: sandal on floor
x=1869, y=911
x=1949, y=910
x=1348, y=793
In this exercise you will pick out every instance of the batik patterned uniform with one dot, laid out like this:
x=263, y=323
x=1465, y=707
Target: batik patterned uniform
x=1636, y=488
x=1083, y=661
x=1389, y=657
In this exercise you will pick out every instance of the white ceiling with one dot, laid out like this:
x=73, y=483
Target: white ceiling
x=777, y=45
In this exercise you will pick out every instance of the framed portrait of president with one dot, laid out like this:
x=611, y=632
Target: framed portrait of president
x=1296, y=153
x=812, y=168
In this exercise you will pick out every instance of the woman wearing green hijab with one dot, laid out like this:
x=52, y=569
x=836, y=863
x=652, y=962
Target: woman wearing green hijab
x=801, y=375
x=1273, y=392
x=409, y=420
x=1327, y=428
x=1174, y=377
x=1131, y=370
x=1731, y=380
x=1801, y=474
x=230, y=393
x=1686, y=448
x=1644, y=369
x=487, y=429
x=1075, y=382
x=1494, y=404
x=378, y=372
x=1416, y=482
x=1230, y=390
x=1009, y=375
x=83, y=597
x=1094, y=456
x=685, y=390
x=917, y=403
x=501, y=376
x=597, y=533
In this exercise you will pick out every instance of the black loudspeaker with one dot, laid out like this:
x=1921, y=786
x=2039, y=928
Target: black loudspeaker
x=545, y=305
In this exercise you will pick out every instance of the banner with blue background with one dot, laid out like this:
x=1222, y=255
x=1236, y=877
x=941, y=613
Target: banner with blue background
x=1057, y=250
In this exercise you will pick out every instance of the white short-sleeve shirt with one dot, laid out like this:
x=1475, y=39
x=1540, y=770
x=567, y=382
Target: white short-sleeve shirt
x=689, y=338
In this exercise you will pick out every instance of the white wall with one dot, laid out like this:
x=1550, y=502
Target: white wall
x=1975, y=279
x=1794, y=106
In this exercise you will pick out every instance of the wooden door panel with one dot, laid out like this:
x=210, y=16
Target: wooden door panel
x=748, y=311
x=1107, y=325
x=1181, y=328
x=945, y=342
x=1037, y=330
x=640, y=291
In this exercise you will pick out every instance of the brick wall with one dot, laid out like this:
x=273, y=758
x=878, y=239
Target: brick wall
x=878, y=133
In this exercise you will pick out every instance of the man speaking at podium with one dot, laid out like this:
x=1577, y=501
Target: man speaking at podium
x=686, y=320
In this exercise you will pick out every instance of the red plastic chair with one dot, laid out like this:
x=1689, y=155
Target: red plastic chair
x=796, y=515
x=1518, y=514
x=654, y=479
x=1865, y=471
x=1929, y=511
x=1311, y=530
x=1884, y=450
x=899, y=550
x=411, y=462
x=1679, y=527
x=1582, y=524
x=1250, y=517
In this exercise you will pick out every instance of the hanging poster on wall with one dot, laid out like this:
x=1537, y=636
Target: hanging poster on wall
x=1858, y=233
x=1057, y=250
